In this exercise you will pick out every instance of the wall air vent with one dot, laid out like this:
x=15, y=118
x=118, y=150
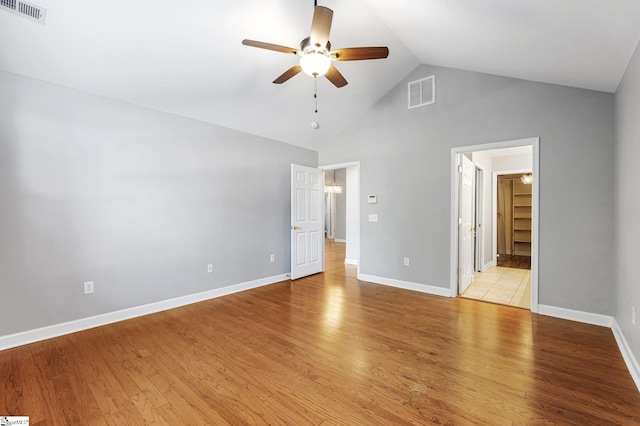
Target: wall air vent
x=422, y=92
x=22, y=8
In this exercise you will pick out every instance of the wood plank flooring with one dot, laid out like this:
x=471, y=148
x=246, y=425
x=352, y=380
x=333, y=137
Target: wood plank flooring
x=509, y=261
x=325, y=350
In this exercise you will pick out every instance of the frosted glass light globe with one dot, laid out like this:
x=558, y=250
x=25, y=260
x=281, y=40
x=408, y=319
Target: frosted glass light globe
x=315, y=64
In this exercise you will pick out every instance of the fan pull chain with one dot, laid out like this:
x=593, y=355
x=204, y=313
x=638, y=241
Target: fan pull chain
x=315, y=92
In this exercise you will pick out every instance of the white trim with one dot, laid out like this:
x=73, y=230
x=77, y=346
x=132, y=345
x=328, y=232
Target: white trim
x=31, y=336
x=602, y=320
x=350, y=262
x=632, y=363
x=489, y=264
x=479, y=207
x=535, y=223
x=498, y=145
x=579, y=316
x=422, y=288
x=339, y=165
x=453, y=255
x=340, y=240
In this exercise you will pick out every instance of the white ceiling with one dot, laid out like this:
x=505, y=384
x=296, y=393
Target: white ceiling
x=186, y=57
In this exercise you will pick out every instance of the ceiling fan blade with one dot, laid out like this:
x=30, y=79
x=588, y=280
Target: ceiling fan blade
x=360, y=53
x=321, y=26
x=334, y=76
x=269, y=46
x=288, y=74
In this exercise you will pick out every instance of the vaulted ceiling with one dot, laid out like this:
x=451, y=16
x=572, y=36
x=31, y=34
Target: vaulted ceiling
x=186, y=57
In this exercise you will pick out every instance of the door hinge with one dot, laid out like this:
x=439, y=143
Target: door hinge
x=459, y=169
x=459, y=221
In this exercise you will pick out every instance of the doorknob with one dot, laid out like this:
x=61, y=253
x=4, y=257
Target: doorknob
x=295, y=227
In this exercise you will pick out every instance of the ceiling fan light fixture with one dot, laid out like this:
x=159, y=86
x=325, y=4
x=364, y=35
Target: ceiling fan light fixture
x=315, y=64
x=315, y=51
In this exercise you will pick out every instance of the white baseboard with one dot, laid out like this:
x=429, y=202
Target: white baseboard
x=350, y=262
x=602, y=320
x=340, y=240
x=569, y=314
x=31, y=336
x=422, y=288
x=632, y=363
x=488, y=265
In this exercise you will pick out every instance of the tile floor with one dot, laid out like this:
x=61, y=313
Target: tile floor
x=506, y=286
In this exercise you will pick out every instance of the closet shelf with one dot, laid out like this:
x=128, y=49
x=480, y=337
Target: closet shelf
x=521, y=219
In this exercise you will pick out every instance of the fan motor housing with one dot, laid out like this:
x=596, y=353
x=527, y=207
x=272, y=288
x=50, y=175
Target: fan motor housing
x=305, y=46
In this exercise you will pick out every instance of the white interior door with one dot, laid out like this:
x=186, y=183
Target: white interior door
x=465, y=224
x=307, y=233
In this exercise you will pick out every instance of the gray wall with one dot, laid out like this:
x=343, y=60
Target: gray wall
x=405, y=160
x=628, y=202
x=136, y=200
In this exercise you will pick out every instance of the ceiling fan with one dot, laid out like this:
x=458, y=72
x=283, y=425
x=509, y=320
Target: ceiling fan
x=316, y=54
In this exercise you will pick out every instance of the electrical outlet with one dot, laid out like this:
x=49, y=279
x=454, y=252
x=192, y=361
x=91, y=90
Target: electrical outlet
x=88, y=287
x=633, y=315
x=406, y=261
x=210, y=268
x=272, y=258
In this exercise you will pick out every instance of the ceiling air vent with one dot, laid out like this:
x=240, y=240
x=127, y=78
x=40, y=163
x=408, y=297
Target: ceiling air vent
x=27, y=10
x=422, y=92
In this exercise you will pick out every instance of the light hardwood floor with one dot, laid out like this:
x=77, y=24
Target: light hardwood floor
x=325, y=350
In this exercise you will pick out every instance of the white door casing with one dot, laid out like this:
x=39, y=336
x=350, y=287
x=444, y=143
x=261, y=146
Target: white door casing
x=307, y=231
x=479, y=222
x=534, y=142
x=465, y=228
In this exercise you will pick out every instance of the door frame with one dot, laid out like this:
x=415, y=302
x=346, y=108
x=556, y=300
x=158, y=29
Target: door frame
x=479, y=203
x=353, y=210
x=534, y=142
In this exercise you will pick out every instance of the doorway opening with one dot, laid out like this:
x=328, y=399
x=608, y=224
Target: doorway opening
x=474, y=222
x=335, y=212
x=344, y=226
x=513, y=219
